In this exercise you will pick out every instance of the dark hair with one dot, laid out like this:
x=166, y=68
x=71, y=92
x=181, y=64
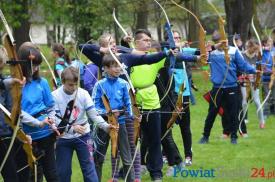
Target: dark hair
x=70, y=73
x=109, y=61
x=251, y=43
x=67, y=57
x=139, y=32
x=30, y=53
x=59, y=48
x=216, y=36
x=265, y=40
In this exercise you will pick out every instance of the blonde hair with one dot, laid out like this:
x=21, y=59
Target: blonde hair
x=3, y=55
x=104, y=39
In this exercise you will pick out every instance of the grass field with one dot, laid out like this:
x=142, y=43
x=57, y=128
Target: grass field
x=252, y=156
x=229, y=162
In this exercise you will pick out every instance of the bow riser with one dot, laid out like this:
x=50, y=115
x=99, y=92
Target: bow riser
x=136, y=112
x=175, y=114
x=221, y=23
x=202, y=46
x=113, y=121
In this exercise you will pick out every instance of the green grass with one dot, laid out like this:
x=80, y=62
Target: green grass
x=230, y=162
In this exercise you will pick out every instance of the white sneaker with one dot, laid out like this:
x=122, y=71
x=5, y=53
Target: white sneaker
x=164, y=159
x=188, y=161
x=170, y=171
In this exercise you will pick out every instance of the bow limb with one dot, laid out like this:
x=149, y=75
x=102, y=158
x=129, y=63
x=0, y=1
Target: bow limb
x=21, y=136
x=175, y=113
x=221, y=23
x=124, y=71
x=270, y=85
x=172, y=45
x=121, y=28
x=202, y=32
x=113, y=121
x=45, y=59
x=135, y=108
x=248, y=89
x=13, y=118
x=259, y=65
x=224, y=47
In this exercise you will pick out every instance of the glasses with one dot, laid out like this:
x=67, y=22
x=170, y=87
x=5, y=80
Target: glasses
x=178, y=38
x=145, y=40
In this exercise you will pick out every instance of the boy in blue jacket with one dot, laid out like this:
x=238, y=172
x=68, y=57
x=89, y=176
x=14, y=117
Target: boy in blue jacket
x=117, y=90
x=225, y=87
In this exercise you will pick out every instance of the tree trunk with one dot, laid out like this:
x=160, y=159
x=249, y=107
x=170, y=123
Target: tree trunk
x=63, y=34
x=50, y=35
x=142, y=14
x=21, y=34
x=58, y=32
x=193, y=27
x=158, y=22
x=238, y=17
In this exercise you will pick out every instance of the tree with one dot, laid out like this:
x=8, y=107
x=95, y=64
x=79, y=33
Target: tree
x=17, y=15
x=238, y=17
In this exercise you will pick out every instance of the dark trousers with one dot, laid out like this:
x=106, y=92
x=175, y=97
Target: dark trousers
x=151, y=134
x=228, y=98
x=185, y=129
x=64, y=153
x=169, y=146
x=101, y=145
x=241, y=126
x=44, y=150
x=16, y=160
x=124, y=153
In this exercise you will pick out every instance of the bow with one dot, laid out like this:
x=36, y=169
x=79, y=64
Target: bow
x=175, y=113
x=172, y=45
x=224, y=47
x=113, y=121
x=202, y=33
x=248, y=89
x=202, y=37
x=135, y=108
x=221, y=23
x=13, y=119
x=120, y=26
x=270, y=85
x=259, y=65
x=132, y=94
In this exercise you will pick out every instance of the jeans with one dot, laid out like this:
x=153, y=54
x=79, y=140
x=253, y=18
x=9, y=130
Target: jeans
x=64, y=153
